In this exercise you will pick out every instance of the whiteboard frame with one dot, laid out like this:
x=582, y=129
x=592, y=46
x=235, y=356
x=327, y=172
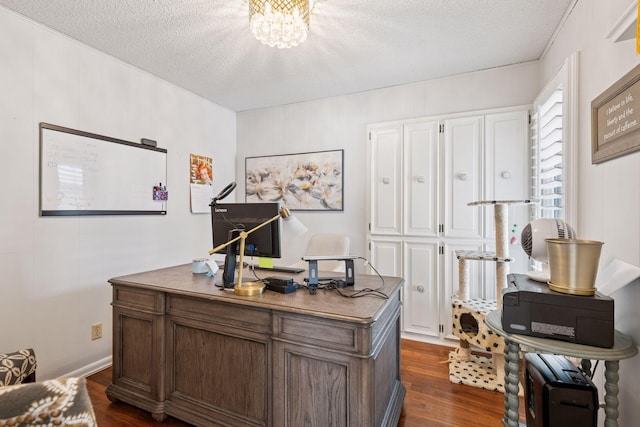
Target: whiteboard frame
x=92, y=136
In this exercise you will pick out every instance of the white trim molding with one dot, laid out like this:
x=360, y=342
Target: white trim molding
x=625, y=26
x=91, y=368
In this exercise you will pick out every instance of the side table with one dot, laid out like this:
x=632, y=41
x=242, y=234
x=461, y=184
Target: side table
x=623, y=348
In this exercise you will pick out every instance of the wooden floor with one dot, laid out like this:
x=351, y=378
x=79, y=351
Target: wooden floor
x=431, y=400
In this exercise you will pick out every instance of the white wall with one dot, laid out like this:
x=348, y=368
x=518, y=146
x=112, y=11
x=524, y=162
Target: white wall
x=609, y=193
x=54, y=271
x=341, y=122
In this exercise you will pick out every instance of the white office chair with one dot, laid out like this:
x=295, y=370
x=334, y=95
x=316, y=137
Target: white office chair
x=327, y=244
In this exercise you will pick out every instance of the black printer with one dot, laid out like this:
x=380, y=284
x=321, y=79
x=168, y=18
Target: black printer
x=531, y=308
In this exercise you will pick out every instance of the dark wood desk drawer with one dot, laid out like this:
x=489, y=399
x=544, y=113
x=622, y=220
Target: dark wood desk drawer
x=138, y=299
x=329, y=334
x=222, y=313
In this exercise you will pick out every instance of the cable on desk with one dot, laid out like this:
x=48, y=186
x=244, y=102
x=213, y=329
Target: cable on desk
x=338, y=286
x=252, y=267
x=368, y=291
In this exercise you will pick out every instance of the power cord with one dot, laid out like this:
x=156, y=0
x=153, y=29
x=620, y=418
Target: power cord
x=368, y=291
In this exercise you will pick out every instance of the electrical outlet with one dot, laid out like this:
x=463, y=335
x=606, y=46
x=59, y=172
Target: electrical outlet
x=96, y=331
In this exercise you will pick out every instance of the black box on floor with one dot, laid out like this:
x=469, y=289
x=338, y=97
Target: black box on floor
x=531, y=308
x=558, y=394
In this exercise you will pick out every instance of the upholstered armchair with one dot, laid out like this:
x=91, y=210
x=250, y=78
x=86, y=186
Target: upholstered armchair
x=25, y=402
x=17, y=367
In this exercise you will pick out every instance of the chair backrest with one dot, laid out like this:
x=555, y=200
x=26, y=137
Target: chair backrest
x=327, y=244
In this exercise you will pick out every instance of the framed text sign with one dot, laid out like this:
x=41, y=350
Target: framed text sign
x=615, y=119
x=83, y=173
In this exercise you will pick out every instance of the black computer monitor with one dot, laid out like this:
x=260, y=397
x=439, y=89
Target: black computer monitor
x=228, y=218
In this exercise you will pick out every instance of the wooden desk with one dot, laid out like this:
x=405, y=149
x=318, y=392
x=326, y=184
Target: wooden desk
x=623, y=348
x=185, y=348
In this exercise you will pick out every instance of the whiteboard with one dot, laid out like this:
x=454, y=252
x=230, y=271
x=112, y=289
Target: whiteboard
x=87, y=174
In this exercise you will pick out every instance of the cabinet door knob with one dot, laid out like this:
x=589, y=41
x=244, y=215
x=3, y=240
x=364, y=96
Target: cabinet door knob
x=420, y=289
x=386, y=180
x=462, y=176
x=421, y=178
x=505, y=174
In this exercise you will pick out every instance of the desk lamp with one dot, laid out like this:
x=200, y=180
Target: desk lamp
x=251, y=288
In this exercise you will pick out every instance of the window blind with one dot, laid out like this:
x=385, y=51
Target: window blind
x=547, y=156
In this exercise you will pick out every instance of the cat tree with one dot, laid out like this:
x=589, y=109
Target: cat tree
x=469, y=314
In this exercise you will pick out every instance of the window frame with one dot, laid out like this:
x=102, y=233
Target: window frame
x=567, y=79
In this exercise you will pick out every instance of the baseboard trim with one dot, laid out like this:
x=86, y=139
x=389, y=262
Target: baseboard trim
x=445, y=342
x=91, y=368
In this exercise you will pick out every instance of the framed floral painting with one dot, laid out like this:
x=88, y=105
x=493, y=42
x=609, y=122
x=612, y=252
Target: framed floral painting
x=303, y=181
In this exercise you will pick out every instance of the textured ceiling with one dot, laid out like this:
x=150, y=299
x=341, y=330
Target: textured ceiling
x=353, y=45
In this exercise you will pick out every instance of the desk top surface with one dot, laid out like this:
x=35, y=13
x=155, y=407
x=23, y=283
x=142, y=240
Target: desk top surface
x=180, y=280
x=623, y=346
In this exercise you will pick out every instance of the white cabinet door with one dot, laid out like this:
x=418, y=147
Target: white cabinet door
x=451, y=279
x=386, y=257
x=462, y=176
x=506, y=165
x=385, y=174
x=421, y=179
x=421, y=303
x=420, y=182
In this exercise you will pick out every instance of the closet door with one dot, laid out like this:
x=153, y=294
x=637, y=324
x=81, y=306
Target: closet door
x=506, y=164
x=386, y=256
x=421, y=179
x=463, y=179
x=421, y=305
x=385, y=162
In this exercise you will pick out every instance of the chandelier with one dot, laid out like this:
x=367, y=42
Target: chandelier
x=279, y=23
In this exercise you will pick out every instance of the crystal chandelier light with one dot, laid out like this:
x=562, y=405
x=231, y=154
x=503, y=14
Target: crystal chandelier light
x=279, y=23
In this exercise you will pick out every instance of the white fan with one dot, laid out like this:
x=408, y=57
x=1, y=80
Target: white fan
x=533, y=242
